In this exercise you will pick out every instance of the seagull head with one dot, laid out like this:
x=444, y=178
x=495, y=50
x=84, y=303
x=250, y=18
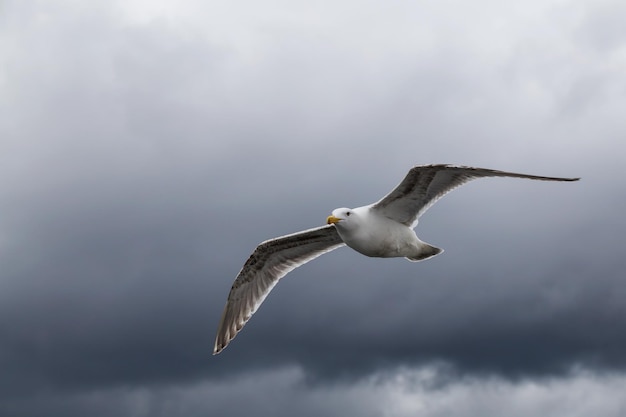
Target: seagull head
x=343, y=215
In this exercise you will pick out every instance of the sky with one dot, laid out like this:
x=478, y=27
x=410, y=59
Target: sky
x=147, y=147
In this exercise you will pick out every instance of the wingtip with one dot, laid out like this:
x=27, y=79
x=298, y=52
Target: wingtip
x=219, y=346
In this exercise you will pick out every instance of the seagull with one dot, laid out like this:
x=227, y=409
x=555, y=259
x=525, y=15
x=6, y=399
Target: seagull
x=383, y=229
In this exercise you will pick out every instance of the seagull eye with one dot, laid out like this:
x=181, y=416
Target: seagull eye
x=348, y=213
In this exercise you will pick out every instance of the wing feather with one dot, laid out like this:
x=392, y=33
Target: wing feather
x=425, y=184
x=270, y=261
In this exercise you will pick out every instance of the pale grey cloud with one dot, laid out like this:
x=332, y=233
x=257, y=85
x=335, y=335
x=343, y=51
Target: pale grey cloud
x=284, y=392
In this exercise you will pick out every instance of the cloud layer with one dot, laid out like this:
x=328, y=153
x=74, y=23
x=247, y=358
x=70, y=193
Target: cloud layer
x=147, y=147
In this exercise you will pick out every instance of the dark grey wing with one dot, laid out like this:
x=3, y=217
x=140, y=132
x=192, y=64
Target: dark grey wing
x=424, y=185
x=270, y=261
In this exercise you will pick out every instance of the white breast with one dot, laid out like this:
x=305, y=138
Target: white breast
x=377, y=236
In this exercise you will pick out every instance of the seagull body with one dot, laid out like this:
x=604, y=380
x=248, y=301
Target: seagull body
x=367, y=232
x=383, y=229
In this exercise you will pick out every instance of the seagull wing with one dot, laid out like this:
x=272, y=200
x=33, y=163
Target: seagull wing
x=424, y=185
x=270, y=261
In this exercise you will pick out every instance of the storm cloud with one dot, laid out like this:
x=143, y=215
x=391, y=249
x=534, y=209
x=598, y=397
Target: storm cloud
x=148, y=147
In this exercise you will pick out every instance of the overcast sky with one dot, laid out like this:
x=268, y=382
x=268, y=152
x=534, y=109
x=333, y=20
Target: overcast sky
x=147, y=147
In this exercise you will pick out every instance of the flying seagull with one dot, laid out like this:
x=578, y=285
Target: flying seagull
x=383, y=229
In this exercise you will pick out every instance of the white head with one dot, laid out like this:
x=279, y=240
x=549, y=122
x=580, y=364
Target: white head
x=343, y=217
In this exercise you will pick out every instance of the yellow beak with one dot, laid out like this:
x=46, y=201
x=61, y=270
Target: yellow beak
x=332, y=220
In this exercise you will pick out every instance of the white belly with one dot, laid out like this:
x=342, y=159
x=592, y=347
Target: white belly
x=382, y=239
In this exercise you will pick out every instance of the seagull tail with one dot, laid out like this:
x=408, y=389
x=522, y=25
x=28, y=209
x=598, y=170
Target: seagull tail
x=424, y=251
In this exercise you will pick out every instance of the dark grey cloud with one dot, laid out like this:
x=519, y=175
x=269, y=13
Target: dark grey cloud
x=144, y=160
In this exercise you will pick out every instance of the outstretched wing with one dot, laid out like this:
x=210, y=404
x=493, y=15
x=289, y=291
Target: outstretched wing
x=270, y=261
x=424, y=185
